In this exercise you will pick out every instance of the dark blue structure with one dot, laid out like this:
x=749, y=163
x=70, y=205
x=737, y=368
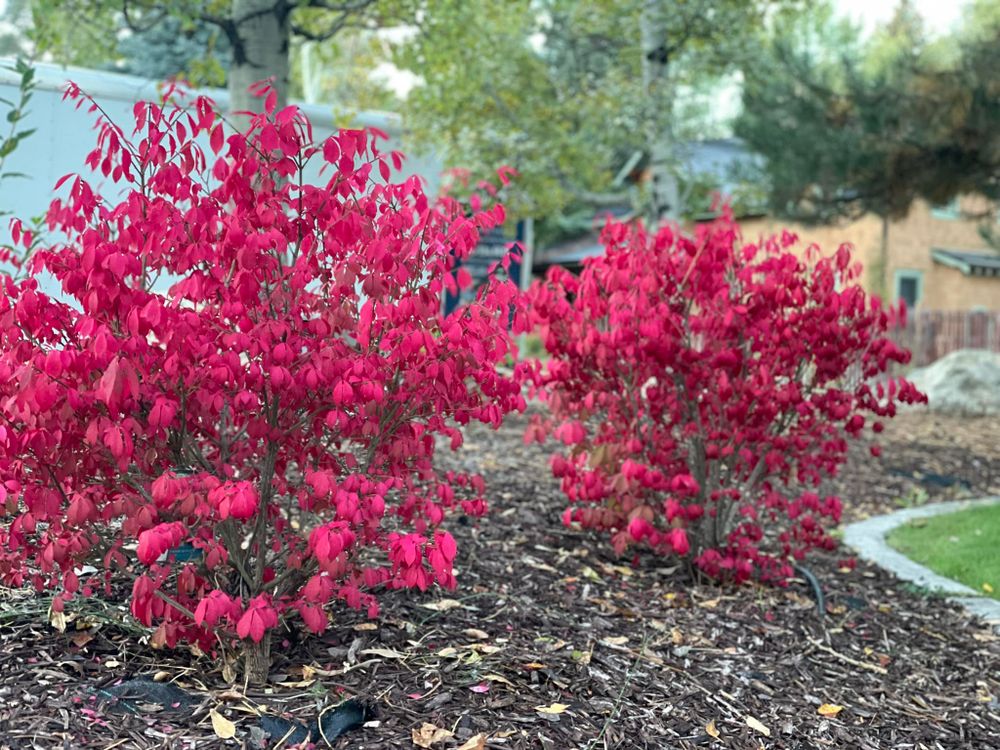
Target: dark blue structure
x=492, y=247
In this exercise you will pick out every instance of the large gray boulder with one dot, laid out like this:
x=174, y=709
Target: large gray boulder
x=964, y=382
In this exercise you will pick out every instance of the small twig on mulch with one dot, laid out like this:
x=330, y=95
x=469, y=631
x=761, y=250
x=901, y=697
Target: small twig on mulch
x=846, y=659
x=626, y=683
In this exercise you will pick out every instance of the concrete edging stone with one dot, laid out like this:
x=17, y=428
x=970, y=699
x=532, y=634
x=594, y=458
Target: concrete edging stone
x=868, y=540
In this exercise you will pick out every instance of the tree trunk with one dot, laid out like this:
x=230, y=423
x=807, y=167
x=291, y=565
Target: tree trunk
x=664, y=195
x=882, y=288
x=311, y=80
x=261, y=36
x=257, y=660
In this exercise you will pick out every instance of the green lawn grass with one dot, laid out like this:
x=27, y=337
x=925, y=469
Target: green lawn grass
x=963, y=546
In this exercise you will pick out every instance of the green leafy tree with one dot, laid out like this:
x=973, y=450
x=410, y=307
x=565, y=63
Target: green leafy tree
x=259, y=33
x=14, y=20
x=567, y=92
x=850, y=127
x=343, y=71
x=830, y=131
x=171, y=48
x=831, y=116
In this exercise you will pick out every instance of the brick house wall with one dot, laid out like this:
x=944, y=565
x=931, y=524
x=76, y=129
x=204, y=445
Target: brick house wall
x=909, y=253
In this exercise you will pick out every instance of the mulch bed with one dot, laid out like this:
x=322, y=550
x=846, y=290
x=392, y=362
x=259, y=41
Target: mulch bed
x=551, y=642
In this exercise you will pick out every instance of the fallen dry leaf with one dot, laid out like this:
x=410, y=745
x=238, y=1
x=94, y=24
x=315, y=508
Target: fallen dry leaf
x=829, y=709
x=429, y=735
x=58, y=620
x=618, y=640
x=297, y=683
x=479, y=635
x=362, y=626
x=223, y=727
x=755, y=725
x=442, y=605
x=385, y=653
x=555, y=708
x=474, y=743
x=484, y=648
x=81, y=639
x=711, y=730
x=498, y=678
x=709, y=603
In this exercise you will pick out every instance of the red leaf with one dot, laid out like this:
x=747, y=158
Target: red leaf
x=217, y=138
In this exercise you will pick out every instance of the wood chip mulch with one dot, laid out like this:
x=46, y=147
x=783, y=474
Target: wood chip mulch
x=551, y=642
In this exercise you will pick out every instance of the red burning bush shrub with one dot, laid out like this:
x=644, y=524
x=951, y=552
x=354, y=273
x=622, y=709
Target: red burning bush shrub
x=703, y=387
x=273, y=414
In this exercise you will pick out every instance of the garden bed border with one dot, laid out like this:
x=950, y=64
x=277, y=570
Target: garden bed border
x=868, y=540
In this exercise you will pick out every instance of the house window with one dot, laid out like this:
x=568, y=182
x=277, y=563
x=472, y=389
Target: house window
x=949, y=210
x=909, y=287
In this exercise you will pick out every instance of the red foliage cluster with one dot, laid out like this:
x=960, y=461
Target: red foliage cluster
x=247, y=367
x=703, y=387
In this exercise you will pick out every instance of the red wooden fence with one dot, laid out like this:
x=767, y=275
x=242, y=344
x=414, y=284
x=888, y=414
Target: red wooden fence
x=930, y=334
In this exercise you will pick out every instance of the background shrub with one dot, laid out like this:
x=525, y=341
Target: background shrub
x=702, y=387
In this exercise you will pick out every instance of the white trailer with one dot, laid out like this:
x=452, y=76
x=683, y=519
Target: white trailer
x=64, y=135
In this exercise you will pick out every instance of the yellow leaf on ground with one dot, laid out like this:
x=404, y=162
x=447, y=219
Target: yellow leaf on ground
x=711, y=730
x=987, y=588
x=829, y=709
x=222, y=726
x=58, y=620
x=555, y=708
x=474, y=743
x=362, y=626
x=429, y=735
x=709, y=603
x=755, y=725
